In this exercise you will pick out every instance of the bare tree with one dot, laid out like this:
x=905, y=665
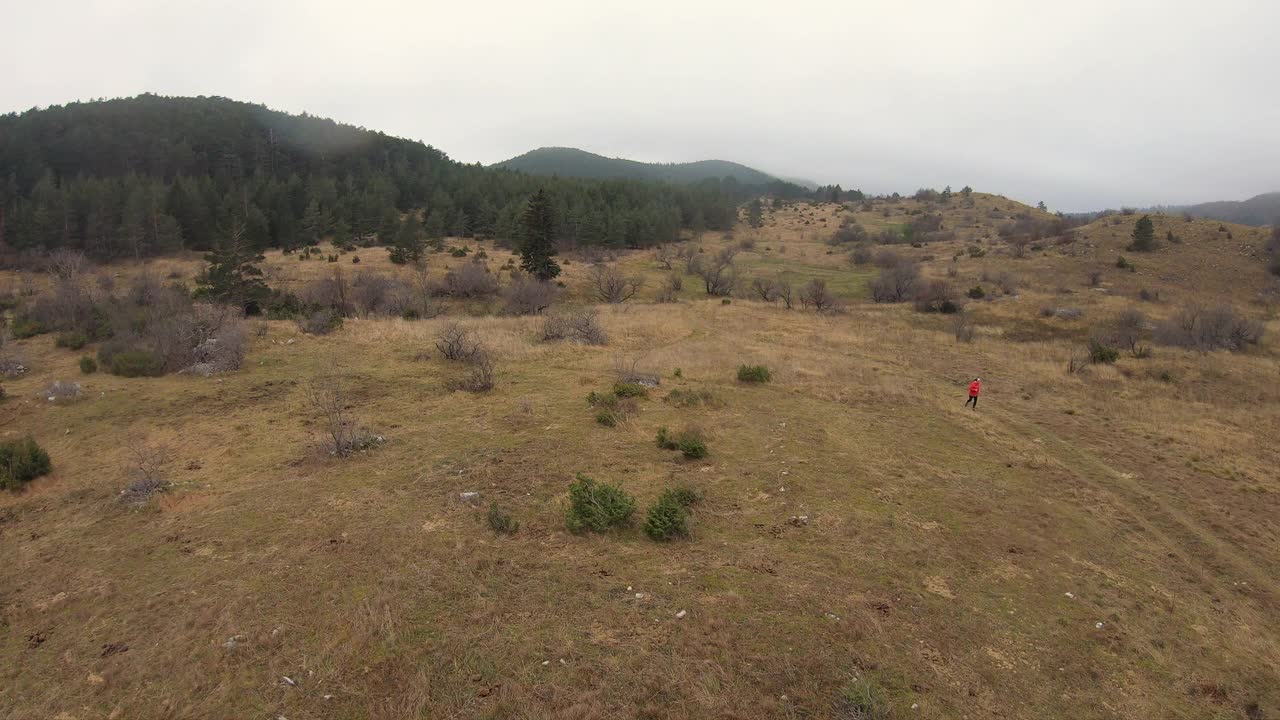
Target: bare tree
x=1018, y=244
x=689, y=254
x=1127, y=330
x=67, y=264
x=456, y=342
x=147, y=469
x=611, y=286
x=816, y=295
x=664, y=256
x=895, y=284
x=329, y=397
x=718, y=273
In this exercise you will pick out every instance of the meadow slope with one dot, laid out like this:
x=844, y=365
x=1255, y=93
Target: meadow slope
x=1097, y=545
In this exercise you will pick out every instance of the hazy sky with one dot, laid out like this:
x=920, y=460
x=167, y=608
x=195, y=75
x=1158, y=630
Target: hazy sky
x=1083, y=104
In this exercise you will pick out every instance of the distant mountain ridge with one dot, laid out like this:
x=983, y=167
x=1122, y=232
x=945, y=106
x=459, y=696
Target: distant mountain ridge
x=1261, y=209
x=572, y=162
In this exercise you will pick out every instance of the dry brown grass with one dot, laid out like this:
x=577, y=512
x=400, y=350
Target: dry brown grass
x=939, y=549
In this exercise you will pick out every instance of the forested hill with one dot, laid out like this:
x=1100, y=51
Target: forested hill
x=150, y=174
x=572, y=162
x=1258, y=210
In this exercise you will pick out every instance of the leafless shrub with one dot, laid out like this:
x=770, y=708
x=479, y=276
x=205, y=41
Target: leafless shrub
x=815, y=295
x=147, y=468
x=328, y=396
x=320, y=322
x=609, y=285
x=528, y=295
x=849, y=232
x=12, y=363
x=718, y=273
x=627, y=369
x=1207, y=329
x=861, y=255
x=670, y=289
x=480, y=378
x=471, y=280
x=1007, y=282
x=1127, y=331
x=1079, y=361
x=689, y=254
x=69, y=306
x=456, y=342
x=62, y=391
x=936, y=296
x=331, y=294
x=665, y=256
x=963, y=327
x=953, y=270
x=895, y=284
x=373, y=293
x=582, y=326
x=145, y=289
x=1095, y=278
x=67, y=264
x=886, y=258
x=765, y=289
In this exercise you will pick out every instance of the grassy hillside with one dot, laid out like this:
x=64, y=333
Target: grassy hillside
x=571, y=162
x=1084, y=545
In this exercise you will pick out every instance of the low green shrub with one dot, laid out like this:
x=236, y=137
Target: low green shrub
x=597, y=506
x=72, y=340
x=668, y=518
x=502, y=522
x=137, y=363
x=26, y=327
x=88, y=365
x=630, y=389
x=21, y=461
x=977, y=293
x=689, y=398
x=1102, y=354
x=690, y=442
x=754, y=374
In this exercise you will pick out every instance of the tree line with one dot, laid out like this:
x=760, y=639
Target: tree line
x=149, y=175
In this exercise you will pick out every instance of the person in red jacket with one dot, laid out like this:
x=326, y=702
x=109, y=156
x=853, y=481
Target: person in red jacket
x=975, y=388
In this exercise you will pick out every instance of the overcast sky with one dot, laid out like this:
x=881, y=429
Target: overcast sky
x=1083, y=104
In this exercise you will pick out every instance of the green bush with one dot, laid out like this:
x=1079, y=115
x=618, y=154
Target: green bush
x=689, y=398
x=597, y=506
x=609, y=417
x=977, y=293
x=668, y=518
x=690, y=442
x=72, y=340
x=630, y=389
x=21, y=461
x=26, y=327
x=137, y=363
x=501, y=522
x=753, y=374
x=1102, y=354
x=88, y=365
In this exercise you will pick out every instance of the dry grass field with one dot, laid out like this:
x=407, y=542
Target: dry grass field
x=1097, y=545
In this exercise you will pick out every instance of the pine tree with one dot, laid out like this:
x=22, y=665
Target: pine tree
x=537, y=241
x=408, y=243
x=1144, y=235
x=233, y=277
x=312, y=223
x=755, y=216
x=389, y=226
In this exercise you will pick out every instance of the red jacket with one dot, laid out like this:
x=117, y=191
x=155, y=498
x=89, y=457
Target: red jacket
x=974, y=388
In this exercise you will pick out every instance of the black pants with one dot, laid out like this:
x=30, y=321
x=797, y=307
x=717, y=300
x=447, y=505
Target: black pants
x=972, y=399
